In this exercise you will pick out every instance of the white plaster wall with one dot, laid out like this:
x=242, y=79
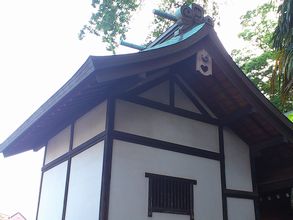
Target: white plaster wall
x=145, y=121
x=52, y=193
x=129, y=186
x=159, y=93
x=182, y=101
x=90, y=124
x=58, y=145
x=237, y=162
x=240, y=209
x=83, y=201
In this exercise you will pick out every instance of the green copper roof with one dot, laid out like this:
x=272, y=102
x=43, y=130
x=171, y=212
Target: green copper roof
x=179, y=38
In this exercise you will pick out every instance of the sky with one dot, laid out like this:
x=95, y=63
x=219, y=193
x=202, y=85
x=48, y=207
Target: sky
x=39, y=52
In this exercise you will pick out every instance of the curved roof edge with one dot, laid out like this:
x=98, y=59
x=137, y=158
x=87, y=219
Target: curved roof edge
x=98, y=66
x=258, y=99
x=109, y=68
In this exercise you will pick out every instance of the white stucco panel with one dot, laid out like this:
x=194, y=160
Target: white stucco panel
x=148, y=122
x=52, y=193
x=84, y=190
x=129, y=186
x=158, y=93
x=58, y=145
x=240, y=209
x=182, y=101
x=90, y=124
x=237, y=162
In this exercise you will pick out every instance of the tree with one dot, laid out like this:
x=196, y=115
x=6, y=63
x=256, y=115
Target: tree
x=257, y=57
x=111, y=19
x=283, y=43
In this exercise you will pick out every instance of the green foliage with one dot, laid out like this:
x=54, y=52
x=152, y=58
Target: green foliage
x=290, y=117
x=111, y=19
x=283, y=43
x=257, y=58
x=258, y=24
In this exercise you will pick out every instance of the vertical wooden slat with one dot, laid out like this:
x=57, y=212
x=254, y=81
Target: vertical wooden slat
x=184, y=196
x=170, y=194
x=150, y=202
x=191, y=203
x=107, y=160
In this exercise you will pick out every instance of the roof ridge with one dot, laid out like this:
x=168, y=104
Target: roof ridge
x=188, y=17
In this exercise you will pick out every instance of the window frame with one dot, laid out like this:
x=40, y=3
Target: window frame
x=183, y=183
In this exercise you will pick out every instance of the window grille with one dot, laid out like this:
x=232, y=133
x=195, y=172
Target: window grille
x=170, y=195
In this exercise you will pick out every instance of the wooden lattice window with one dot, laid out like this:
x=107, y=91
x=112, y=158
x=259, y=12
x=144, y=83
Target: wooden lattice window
x=170, y=195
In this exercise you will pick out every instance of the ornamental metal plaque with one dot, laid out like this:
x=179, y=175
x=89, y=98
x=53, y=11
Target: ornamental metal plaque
x=204, y=63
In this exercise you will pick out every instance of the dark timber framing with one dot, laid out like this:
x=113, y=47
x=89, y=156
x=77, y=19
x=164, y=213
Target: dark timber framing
x=110, y=134
x=223, y=172
x=232, y=193
x=107, y=160
x=133, y=96
x=164, y=145
x=41, y=182
x=226, y=193
x=240, y=194
x=254, y=184
x=67, y=157
x=68, y=173
x=191, y=97
x=172, y=110
x=96, y=139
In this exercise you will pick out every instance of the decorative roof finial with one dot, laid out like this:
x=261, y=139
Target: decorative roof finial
x=190, y=16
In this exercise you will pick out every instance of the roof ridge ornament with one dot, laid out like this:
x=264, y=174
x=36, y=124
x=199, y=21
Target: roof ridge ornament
x=186, y=17
x=189, y=16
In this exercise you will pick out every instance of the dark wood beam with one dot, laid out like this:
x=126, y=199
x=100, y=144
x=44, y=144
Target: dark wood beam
x=275, y=141
x=240, y=194
x=237, y=115
x=273, y=185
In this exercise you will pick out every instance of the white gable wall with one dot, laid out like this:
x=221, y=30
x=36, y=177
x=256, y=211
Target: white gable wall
x=159, y=93
x=182, y=101
x=152, y=123
x=129, y=186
